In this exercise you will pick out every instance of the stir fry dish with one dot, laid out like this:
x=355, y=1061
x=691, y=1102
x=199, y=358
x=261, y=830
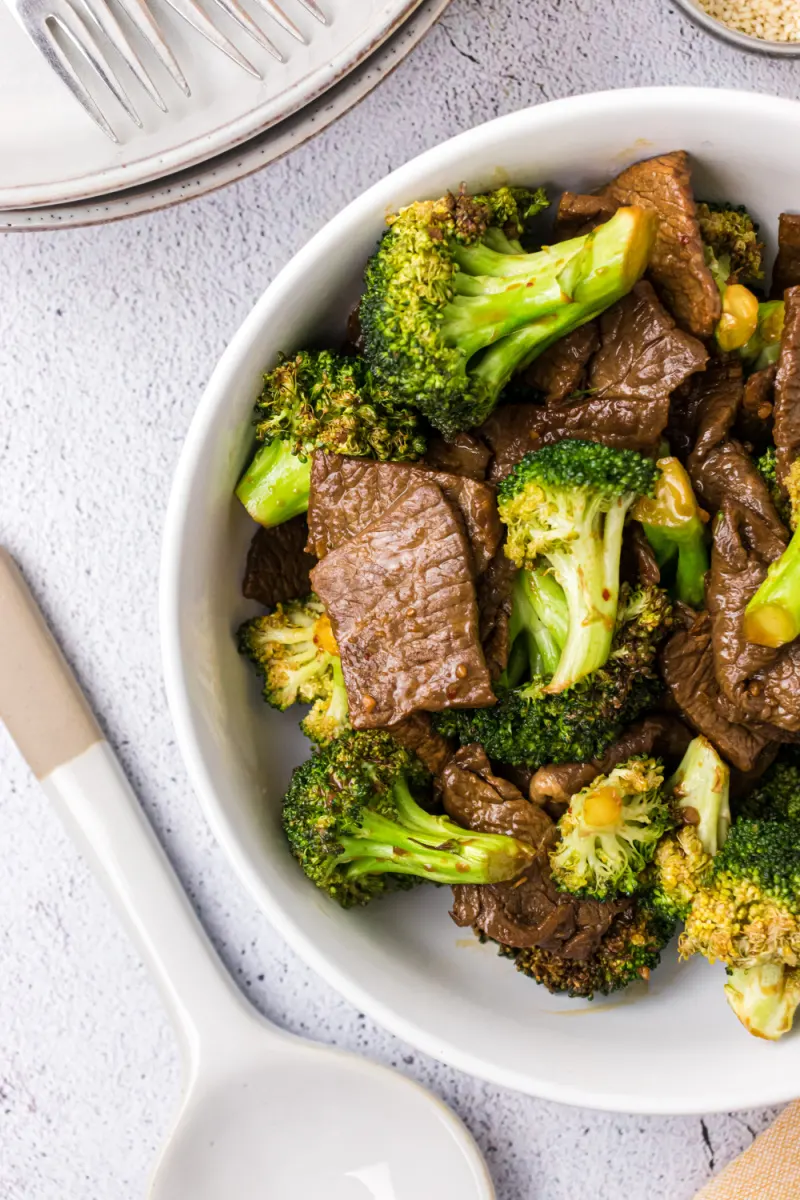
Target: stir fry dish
x=530, y=574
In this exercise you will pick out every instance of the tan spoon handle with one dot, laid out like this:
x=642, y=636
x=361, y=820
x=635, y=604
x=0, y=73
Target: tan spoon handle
x=51, y=722
x=41, y=703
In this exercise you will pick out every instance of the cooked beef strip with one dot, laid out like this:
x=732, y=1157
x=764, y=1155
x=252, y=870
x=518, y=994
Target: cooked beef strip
x=560, y=370
x=278, y=567
x=754, y=423
x=763, y=683
x=401, y=599
x=786, y=412
x=578, y=213
x=514, y=429
x=465, y=455
x=493, y=590
x=730, y=471
x=687, y=664
x=528, y=911
x=477, y=798
x=354, y=336
x=714, y=405
x=348, y=494
x=743, y=782
x=643, y=355
x=677, y=264
x=786, y=272
x=638, y=564
x=660, y=734
x=417, y=734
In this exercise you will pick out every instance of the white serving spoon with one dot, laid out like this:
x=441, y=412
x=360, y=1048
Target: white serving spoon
x=265, y=1115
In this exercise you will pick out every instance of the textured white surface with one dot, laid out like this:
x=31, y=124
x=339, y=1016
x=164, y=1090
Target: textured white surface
x=106, y=339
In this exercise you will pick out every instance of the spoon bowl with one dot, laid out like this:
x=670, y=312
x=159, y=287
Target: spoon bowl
x=271, y=1126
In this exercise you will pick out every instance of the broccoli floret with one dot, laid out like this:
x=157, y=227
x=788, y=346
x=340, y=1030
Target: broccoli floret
x=610, y=831
x=747, y=915
x=764, y=345
x=452, y=306
x=734, y=255
x=699, y=795
x=767, y=466
x=748, y=911
x=732, y=235
x=320, y=400
x=764, y=998
x=354, y=825
x=776, y=796
x=565, y=508
x=296, y=653
x=531, y=726
x=674, y=525
x=629, y=951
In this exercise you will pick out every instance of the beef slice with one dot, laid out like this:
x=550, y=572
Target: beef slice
x=278, y=567
x=714, y=405
x=417, y=734
x=578, y=213
x=477, y=798
x=786, y=412
x=466, y=455
x=625, y=424
x=401, y=599
x=786, y=272
x=687, y=664
x=754, y=423
x=643, y=355
x=728, y=470
x=677, y=264
x=494, y=606
x=347, y=494
x=762, y=682
x=560, y=370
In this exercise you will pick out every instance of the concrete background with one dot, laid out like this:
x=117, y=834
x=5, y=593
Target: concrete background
x=107, y=337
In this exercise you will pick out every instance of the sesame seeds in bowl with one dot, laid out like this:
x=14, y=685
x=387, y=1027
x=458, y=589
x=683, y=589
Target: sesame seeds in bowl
x=764, y=26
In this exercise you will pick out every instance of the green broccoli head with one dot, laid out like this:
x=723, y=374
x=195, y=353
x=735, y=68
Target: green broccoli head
x=674, y=525
x=610, y=831
x=294, y=650
x=764, y=998
x=453, y=306
x=531, y=726
x=564, y=508
x=353, y=822
x=748, y=911
x=699, y=795
x=320, y=400
x=629, y=951
x=776, y=796
x=732, y=236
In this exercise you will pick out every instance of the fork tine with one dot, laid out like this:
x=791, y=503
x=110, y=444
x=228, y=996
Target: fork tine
x=108, y=25
x=139, y=14
x=193, y=13
x=242, y=18
x=312, y=7
x=43, y=39
x=280, y=16
x=84, y=43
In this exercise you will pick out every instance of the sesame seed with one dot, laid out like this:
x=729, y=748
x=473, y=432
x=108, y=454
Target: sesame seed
x=770, y=20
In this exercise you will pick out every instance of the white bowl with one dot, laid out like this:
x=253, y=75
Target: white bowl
x=672, y=1048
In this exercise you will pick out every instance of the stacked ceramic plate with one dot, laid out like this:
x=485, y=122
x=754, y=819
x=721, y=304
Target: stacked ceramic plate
x=57, y=168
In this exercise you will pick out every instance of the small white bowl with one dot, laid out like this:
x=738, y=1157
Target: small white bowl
x=734, y=37
x=674, y=1047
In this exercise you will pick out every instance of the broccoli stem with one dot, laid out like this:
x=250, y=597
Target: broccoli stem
x=433, y=847
x=692, y=559
x=764, y=346
x=772, y=618
x=764, y=998
x=589, y=577
x=275, y=486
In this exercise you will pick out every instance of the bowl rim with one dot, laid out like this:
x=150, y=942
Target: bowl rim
x=713, y=1099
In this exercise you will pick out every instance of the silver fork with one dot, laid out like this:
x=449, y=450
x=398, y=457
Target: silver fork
x=84, y=25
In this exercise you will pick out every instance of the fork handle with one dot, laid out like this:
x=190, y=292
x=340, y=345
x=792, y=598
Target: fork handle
x=49, y=718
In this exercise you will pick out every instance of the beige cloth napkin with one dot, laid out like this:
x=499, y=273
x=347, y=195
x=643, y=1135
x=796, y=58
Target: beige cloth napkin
x=768, y=1170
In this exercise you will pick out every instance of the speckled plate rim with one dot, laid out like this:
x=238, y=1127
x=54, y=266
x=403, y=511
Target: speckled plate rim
x=226, y=169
